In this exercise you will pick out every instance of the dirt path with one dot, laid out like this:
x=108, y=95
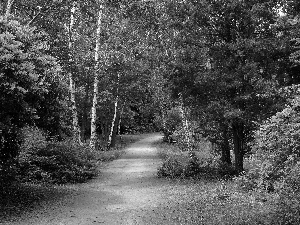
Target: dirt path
x=126, y=192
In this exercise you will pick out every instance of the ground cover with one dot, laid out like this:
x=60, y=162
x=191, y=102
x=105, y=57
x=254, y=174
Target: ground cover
x=210, y=198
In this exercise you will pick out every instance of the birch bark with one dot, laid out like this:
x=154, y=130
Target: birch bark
x=93, y=139
x=112, y=134
x=76, y=128
x=120, y=118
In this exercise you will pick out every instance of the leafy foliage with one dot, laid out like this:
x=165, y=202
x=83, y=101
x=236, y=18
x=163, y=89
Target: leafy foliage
x=277, y=143
x=172, y=123
x=275, y=164
x=198, y=164
x=57, y=163
x=26, y=71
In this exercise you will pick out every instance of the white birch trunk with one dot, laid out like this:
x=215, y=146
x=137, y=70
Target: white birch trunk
x=76, y=128
x=93, y=139
x=113, y=123
x=8, y=8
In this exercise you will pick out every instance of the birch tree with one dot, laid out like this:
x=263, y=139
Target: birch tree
x=185, y=124
x=114, y=123
x=93, y=139
x=76, y=128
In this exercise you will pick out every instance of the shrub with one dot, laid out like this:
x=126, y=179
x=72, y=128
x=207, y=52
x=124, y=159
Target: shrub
x=277, y=145
x=171, y=168
x=277, y=162
x=33, y=138
x=51, y=161
x=288, y=188
x=173, y=121
x=26, y=73
x=8, y=172
x=192, y=168
x=180, y=166
x=225, y=170
x=57, y=163
x=197, y=164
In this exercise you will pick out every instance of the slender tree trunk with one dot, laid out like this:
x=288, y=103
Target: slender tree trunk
x=185, y=124
x=76, y=128
x=85, y=111
x=238, y=140
x=113, y=129
x=102, y=127
x=106, y=126
x=8, y=8
x=93, y=139
x=120, y=119
x=225, y=147
x=163, y=117
x=165, y=130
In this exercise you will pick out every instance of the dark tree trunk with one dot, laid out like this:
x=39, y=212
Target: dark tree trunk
x=238, y=141
x=85, y=123
x=225, y=147
x=102, y=128
x=106, y=130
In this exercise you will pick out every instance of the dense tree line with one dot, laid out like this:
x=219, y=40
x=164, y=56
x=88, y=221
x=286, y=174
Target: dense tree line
x=229, y=61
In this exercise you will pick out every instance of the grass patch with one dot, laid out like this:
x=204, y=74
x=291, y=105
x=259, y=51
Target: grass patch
x=217, y=203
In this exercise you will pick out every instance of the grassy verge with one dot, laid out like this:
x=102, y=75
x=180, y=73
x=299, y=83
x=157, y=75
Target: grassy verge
x=209, y=199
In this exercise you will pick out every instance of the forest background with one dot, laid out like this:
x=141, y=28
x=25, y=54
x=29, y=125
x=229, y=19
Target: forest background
x=74, y=74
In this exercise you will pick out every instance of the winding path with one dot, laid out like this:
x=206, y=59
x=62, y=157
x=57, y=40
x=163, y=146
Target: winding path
x=126, y=192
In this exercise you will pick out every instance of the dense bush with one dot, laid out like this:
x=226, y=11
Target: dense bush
x=275, y=166
x=32, y=137
x=277, y=145
x=171, y=168
x=173, y=121
x=183, y=164
x=52, y=161
x=57, y=163
x=26, y=72
x=47, y=160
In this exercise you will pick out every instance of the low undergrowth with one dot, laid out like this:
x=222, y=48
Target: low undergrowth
x=57, y=163
x=60, y=162
x=216, y=199
x=183, y=164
